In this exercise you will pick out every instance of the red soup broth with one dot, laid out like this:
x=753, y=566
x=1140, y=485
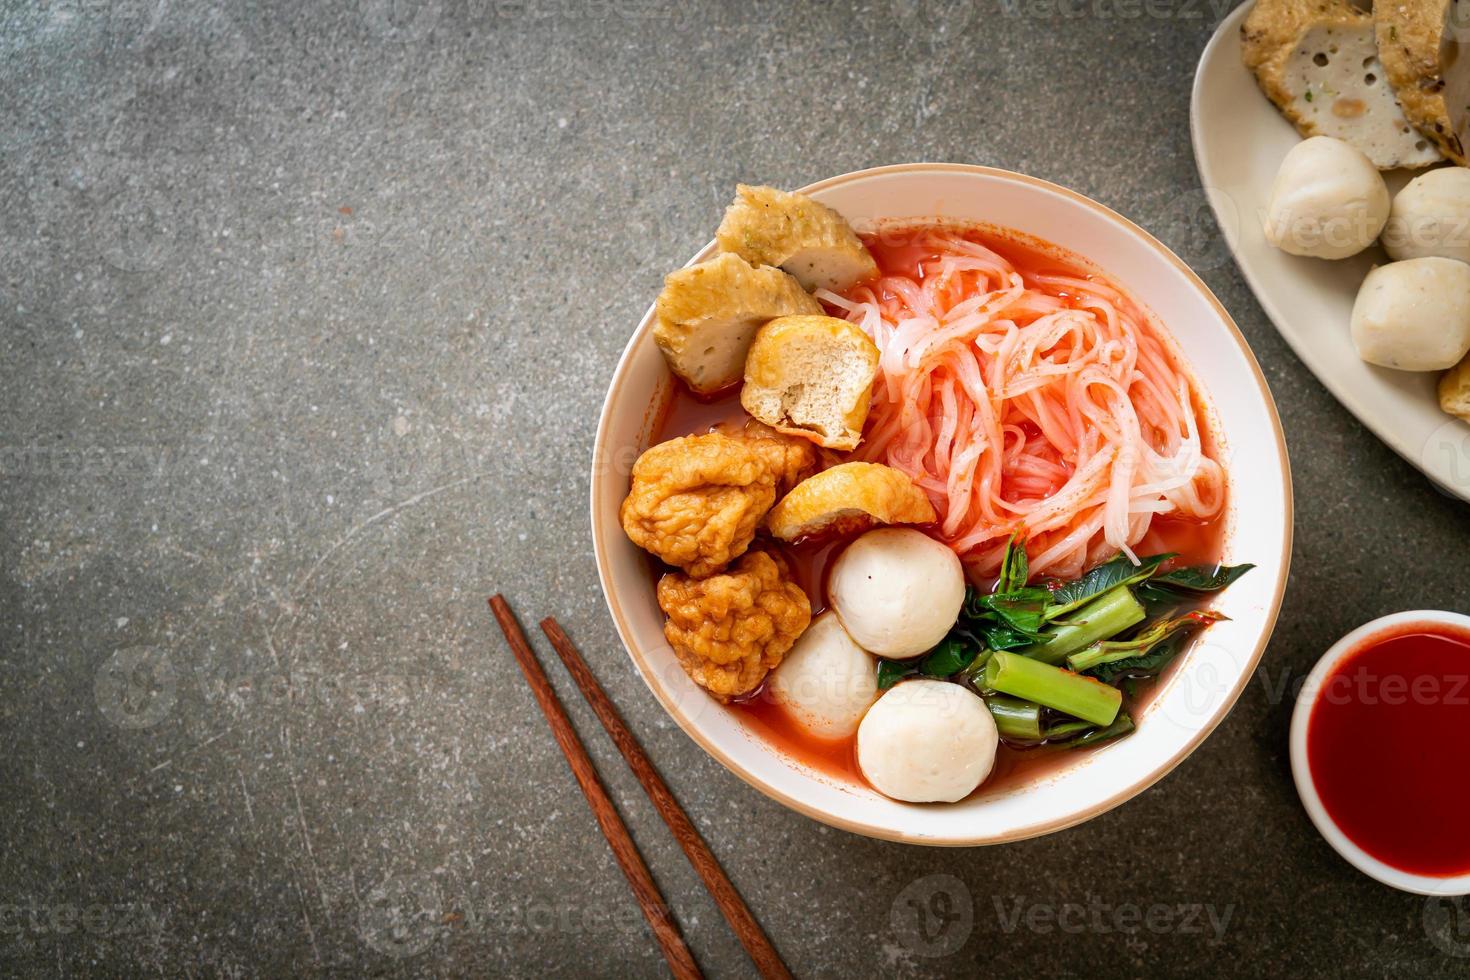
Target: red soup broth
x=683, y=413
x=1388, y=746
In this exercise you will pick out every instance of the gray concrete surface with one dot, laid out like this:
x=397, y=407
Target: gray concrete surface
x=307, y=314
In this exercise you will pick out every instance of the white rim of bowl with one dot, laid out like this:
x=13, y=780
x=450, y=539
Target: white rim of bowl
x=1301, y=772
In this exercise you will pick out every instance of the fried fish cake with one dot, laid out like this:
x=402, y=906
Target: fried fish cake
x=730, y=630
x=696, y=501
x=708, y=314
x=811, y=241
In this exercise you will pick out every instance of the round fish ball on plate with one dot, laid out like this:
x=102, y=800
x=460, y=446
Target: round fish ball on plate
x=927, y=741
x=1414, y=315
x=897, y=591
x=827, y=682
x=1328, y=201
x=1431, y=216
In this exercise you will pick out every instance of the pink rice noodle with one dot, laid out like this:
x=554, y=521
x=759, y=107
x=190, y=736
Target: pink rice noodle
x=1046, y=404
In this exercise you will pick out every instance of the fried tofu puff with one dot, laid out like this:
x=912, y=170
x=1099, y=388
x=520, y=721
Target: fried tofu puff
x=1454, y=390
x=811, y=376
x=696, y=501
x=848, y=498
x=809, y=240
x=708, y=314
x=730, y=630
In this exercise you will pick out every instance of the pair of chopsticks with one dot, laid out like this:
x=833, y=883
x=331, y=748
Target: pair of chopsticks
x=650, y=900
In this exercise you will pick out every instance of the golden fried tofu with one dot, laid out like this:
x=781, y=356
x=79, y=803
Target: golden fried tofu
x=811, y=376
x=696, y=501
x=849, y=498
x=1454, y=390
x=730, y=630
x=809, y=240
x=708, y=314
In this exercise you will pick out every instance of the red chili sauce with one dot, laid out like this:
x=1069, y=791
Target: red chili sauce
x=1388, y=746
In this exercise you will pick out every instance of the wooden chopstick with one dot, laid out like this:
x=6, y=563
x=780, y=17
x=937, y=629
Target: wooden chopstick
x=749, y=931
x=665, y=929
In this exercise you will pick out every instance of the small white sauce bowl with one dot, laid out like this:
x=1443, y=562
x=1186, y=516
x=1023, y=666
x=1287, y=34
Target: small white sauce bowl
x=1301, y=771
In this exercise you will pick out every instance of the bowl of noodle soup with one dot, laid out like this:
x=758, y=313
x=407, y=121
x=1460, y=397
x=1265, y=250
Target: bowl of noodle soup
x=1045, y=365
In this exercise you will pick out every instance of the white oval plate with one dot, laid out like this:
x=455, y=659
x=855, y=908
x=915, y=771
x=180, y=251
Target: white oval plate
x=1239, y=140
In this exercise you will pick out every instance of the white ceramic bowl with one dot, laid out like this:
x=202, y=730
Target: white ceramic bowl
x=1190, y=703
x=1302, y=773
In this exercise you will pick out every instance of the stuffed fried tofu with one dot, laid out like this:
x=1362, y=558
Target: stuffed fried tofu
x=815, y=244
x=708, y=314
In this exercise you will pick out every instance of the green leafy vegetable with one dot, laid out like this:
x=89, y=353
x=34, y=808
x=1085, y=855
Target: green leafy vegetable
x=947, y=658
x=974, y=672
x=1133, y=685
x=1105, y=616
x=1008, y=644
x=1002, y=620
x=1014, y=718
x=1060, y=690
x=1137, y=648
x=1022, y=610
x=1122, y=725
x=1067, y=729
x=1081, y=734
x=1112, y=573
x=974, y=605
x=1158, y=600
x=1132, y=670
x=890, y=672
x=1014, y=567
x=1200, y=578
x=1165, y=591
x=1005, y=638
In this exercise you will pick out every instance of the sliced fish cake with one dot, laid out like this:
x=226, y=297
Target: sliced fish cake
x=708, y=314
x=815, y=244
x=1421, y=44
x=1319, y=63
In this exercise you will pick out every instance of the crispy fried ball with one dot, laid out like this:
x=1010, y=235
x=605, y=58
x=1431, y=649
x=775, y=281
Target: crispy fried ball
x=696, y=501
x=730, y=630
x=792, y=460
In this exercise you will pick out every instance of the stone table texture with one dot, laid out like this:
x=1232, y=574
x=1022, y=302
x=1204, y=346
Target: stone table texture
x=308, y=310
